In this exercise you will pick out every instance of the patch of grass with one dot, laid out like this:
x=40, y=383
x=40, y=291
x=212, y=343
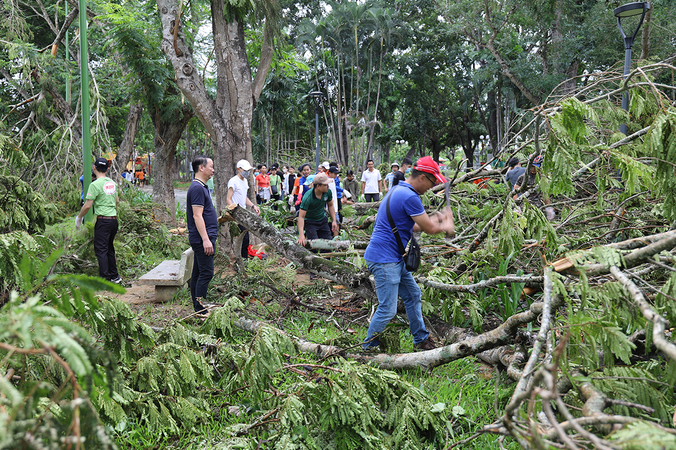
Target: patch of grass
x=467, y=390
x=181, y=184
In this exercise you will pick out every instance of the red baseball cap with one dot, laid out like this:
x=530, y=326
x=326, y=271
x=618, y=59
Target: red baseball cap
x=428, y=165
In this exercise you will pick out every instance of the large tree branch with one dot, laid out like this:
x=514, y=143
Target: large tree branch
x=507, y=71
x=64, y=28
x=473, y=288
x=635, y=258
x=659, y=322
x=427, y=360
x=264, y=63
x=344, y=273
x=188, y=78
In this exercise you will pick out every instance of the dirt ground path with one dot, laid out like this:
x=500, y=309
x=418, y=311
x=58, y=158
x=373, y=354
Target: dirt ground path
x=141, y=300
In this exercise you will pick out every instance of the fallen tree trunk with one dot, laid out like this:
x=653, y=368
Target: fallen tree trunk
x=342, y=272
x=324, y=244
x=427, y=360
x=362, y=207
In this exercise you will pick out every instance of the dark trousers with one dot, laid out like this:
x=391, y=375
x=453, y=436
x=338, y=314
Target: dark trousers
x=245, y=242
x=104, y=235
x=370, y=198
x=275, y=197
x=202, y=273
x=317, y=230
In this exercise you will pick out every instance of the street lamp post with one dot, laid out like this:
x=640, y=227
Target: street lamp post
x=316, y=99
x=629, y=10
x=477, y=153
x=489, y=150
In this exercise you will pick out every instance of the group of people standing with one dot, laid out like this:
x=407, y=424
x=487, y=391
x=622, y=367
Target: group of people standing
x=317, y=198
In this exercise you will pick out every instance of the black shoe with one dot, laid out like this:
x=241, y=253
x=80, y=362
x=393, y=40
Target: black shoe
x=117, y=280
x=427, y=344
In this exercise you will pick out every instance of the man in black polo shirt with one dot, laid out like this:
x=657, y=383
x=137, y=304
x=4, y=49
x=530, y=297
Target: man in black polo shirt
x=202, y=231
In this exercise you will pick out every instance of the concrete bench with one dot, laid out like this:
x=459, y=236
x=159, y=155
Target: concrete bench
x=169, y=276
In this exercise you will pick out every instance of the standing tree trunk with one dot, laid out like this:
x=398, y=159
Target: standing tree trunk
x=124, y=154
x=228, y=118
x=168, y=131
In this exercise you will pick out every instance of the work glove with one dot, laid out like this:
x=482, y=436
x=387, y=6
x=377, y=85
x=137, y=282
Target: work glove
x=78, y=223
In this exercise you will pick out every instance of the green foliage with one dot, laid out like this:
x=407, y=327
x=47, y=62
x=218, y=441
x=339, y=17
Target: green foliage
x=220, y=321
x=266, y=357
x=638, y=385
x=347, y=408
x=21, y=208
x=269, y=271
x=12, y=154
x=537, y=225
x=13, y=247
x=661, y=144
x=635, y=174
x=642, y=435
x=607, y=256
x=510, y=237
x=55, y=357
x=120, y=332
x=666, y=305
x=589, y=333
x=450, y=305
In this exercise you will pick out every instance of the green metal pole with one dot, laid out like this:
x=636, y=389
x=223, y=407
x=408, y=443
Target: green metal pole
x=84, y=93
x=67, y=62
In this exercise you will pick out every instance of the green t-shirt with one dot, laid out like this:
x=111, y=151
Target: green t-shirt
x=210, y=183
x=103, y=192
x=275, y=180
x=314, y=207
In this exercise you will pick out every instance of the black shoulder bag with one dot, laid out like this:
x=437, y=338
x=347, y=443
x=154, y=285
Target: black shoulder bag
x=412, y=258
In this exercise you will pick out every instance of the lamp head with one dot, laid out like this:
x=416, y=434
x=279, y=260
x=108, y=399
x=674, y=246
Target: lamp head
x=631, y=9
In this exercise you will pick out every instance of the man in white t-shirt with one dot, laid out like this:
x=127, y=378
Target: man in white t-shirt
x=333, y=174
x=371, y=182
x=238, y=187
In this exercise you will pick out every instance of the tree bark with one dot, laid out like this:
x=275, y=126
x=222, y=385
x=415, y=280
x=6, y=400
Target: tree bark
x=168, y=131
x=507, y=71
x=126, y=149
x=427, y=360
x=645, y=36
x=70, y=119
x=228, y=118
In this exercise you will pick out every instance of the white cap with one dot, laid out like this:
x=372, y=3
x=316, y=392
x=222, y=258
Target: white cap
x=243, y=164
x=326, y=165
x=395, y=164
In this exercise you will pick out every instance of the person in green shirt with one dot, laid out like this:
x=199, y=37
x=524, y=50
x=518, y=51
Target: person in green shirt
x=210, y=186
x=275, y=184
x=312, y=220
x=102, y=194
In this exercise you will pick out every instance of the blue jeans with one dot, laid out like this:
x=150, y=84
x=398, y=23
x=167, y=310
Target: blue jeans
x=202, y=273
x=393, y=281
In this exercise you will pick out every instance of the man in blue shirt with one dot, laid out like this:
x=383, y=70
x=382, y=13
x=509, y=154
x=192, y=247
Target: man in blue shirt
x=382, y=255
x=202, y=231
